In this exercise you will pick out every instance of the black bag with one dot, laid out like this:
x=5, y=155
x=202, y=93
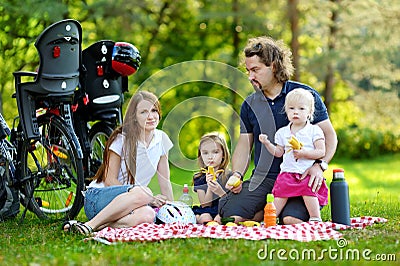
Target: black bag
x=9, y=196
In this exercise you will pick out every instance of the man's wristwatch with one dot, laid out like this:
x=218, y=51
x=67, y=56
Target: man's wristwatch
x=322, y=164
x=238, y=173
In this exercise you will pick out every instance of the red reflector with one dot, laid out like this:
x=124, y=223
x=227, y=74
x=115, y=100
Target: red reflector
x=100, y=71
x=74, y=107
x=86, y=99
x=56, y=51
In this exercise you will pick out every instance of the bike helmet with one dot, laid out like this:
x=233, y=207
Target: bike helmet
x=175, y=212
x=125, y=58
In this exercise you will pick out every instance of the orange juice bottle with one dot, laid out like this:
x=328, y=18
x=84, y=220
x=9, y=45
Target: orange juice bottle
x=270, y=212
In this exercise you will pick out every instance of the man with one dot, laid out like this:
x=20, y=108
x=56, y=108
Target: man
x=269, y=67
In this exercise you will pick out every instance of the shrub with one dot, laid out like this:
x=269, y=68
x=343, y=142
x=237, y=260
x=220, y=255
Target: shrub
x=359, y=143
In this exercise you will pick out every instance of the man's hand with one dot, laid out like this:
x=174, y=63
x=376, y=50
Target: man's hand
x=316, y=177
x=236, y=189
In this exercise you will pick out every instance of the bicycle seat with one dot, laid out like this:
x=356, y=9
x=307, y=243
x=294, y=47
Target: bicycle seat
x=59, y=48
x=104, y=87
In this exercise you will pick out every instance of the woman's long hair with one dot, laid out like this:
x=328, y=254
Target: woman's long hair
x=131, y=131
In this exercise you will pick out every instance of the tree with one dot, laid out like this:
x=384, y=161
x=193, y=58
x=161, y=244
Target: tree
x=338, y=46
x=293, y=15
x=330, y=72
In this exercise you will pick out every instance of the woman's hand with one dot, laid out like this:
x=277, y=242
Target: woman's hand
x=158, y=201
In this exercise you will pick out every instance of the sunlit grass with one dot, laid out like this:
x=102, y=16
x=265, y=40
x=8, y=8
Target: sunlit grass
x=371, y=179
x=36, y=242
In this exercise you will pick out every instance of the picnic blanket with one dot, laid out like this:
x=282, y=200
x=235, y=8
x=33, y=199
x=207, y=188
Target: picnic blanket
x=307, y=231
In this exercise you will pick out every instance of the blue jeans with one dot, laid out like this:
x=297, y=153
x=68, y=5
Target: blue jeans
x=97, y=199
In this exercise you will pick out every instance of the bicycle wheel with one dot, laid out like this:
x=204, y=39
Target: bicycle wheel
x=98, y=135
x=52, y=170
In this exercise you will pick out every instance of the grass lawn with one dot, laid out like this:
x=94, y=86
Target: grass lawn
x=374, y=191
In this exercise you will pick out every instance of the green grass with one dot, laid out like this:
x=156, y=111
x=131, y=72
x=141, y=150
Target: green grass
x=374, y=191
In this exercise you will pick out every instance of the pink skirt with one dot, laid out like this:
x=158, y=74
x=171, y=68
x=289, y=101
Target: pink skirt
x=288, y=185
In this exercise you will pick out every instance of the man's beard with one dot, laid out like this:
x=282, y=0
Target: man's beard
x=256, y=85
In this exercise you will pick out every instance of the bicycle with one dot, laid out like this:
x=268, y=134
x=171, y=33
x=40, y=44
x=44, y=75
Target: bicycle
x=42, y=151
x=99, y=98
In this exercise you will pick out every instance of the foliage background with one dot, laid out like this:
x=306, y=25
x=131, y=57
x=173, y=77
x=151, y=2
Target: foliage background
x=347, y=50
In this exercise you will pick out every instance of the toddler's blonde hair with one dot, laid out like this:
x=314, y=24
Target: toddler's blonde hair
x=300, y=94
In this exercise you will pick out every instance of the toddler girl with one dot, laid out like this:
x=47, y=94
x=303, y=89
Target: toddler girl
x=299, y=107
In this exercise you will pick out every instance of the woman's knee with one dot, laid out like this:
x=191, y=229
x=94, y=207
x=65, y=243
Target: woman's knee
x=141, y=193
x=145, y=214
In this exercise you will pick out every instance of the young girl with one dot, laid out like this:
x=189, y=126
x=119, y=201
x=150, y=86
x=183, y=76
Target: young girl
x=118, y=196
x=299, y=108
x=213, y=151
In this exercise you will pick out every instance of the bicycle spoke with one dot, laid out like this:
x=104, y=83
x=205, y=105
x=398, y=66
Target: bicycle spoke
x=57, y=172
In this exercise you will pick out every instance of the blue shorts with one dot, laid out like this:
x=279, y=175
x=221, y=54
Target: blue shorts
x=98, y=198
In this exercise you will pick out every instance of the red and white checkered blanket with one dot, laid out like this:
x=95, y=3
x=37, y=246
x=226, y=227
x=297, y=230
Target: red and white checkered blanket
x=308, y=231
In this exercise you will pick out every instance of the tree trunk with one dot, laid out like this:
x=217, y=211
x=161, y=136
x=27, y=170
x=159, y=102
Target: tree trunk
x=293, y=14
x=235, y=53
x=330, y=73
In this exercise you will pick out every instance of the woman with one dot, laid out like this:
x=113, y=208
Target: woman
x=118, y=196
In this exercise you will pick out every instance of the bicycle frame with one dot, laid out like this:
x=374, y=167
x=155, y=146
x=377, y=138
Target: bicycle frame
x=97, y=102
x=8, y=152
x=44, y=175
x=82, y=129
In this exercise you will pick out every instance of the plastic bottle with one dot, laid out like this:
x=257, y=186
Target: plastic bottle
x=270, y=212
x=340, y=203
x=186, y=197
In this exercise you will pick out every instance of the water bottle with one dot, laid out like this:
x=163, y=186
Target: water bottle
x=270, y=212
x=340, y=203
x=186, y=197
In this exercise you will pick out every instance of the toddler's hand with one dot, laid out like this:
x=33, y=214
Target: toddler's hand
x=298, y=154
x=263, y=138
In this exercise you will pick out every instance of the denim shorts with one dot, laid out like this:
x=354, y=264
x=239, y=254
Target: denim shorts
x=98, y=198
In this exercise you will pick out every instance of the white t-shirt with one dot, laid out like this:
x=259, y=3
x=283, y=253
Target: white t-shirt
x=147, y=158
x=307, y=135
